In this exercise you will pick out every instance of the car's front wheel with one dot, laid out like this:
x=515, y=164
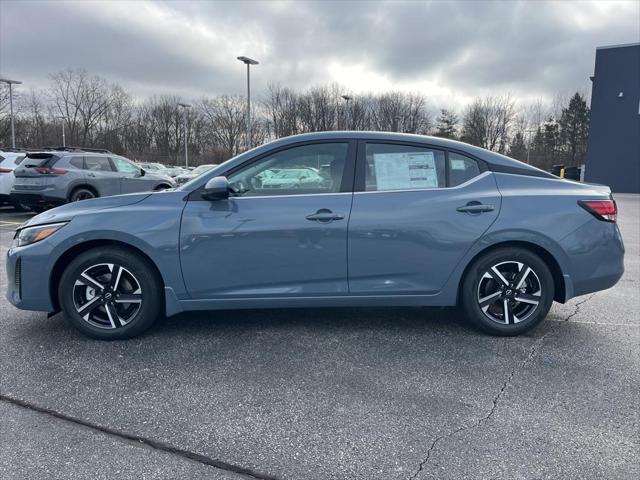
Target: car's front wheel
x=110, y=293
x=507, y=291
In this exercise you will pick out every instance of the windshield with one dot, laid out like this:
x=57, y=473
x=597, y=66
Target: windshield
x=201, y=169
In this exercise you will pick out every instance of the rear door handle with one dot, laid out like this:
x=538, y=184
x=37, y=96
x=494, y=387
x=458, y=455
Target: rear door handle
x=475, y=207
x=324, y=215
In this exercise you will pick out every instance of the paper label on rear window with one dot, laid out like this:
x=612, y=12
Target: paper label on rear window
x=404, y=171
x=457, y=164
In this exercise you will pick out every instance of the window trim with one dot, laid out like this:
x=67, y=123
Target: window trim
x=360, y=180
x=348, y=174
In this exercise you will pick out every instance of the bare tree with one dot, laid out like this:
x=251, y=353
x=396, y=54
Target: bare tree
x=487, y=122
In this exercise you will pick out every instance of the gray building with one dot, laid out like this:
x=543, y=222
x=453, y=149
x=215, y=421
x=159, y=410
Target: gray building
x=613, y=151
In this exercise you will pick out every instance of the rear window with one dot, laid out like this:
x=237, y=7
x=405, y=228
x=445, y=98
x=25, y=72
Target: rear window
x=39, y=160
x=18, y=160
x=100, y=164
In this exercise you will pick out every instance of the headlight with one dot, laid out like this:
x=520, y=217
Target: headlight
x=29, y=235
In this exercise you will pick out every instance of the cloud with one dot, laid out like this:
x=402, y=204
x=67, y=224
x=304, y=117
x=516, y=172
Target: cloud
x=450, y=51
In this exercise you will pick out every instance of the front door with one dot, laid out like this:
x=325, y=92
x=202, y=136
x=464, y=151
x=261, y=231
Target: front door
x=130, y=179
x=282, y=233
x=417, y=211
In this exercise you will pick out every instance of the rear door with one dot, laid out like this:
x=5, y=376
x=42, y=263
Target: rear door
x=100, y=174
x=416, y=211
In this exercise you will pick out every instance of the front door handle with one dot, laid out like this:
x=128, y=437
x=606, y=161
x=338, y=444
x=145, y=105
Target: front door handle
x=475, y=208
x=324, y=215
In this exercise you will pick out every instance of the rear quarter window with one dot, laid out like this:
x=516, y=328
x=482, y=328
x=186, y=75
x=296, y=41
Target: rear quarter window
x=461, y=169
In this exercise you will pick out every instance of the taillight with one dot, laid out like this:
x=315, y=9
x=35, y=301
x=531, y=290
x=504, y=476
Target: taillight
x=5, y=170
x=605, y=210
x=50, y=171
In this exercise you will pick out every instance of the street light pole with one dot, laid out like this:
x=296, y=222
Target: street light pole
x=248, y=62
x=186, y=151
x=64, y=143
x=11, y=83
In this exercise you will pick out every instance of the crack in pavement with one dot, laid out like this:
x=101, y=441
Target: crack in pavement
x=144, y=441
x=533, y=350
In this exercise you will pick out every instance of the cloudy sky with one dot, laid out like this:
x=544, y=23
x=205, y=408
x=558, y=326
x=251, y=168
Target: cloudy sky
x=450, y=51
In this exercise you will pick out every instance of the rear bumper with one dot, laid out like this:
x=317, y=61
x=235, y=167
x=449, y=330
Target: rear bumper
x=596, y=255
x=35, y=199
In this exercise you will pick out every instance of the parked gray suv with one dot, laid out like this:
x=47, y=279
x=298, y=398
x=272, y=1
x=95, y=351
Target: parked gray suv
x=56, y=176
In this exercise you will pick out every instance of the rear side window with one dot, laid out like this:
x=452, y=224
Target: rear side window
x=77, y=162
x=403, y=167
x=461, y=169
x=98, y=164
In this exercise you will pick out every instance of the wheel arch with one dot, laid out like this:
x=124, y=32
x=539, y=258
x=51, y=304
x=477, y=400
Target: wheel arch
x=545, y=255
x=64, y=259
x=82, y=185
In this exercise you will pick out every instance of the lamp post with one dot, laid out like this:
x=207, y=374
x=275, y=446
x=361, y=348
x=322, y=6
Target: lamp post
x=64, y=142
x=347, y=99
x=10, y=83
x=185, y=106
x=248, y=62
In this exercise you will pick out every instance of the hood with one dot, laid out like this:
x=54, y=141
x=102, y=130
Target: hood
x=157, y=176
x=70, y=210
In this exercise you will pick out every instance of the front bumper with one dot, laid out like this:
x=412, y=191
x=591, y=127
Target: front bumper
x=28, y=277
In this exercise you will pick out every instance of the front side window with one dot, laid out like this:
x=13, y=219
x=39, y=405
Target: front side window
x=403, y=167
x=461, y=169
x=98, y=164
x=316, y=168
x=124, y=166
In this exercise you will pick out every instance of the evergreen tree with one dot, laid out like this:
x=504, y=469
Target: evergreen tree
x=446, y=124
x=574, y=129
x=517, y=148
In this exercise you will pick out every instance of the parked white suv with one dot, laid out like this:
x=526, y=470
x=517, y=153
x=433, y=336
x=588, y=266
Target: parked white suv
x=9, y=160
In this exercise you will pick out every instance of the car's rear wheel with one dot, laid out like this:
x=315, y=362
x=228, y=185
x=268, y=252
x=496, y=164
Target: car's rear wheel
x=507, y=291
x=81, y=194
x=110, y=293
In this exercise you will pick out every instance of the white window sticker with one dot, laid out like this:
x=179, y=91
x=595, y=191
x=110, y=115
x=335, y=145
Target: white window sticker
x=458, y=164
x=403, y=171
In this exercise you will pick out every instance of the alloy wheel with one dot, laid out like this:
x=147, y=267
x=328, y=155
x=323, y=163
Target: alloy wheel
x=509, y=292
x=107, y=296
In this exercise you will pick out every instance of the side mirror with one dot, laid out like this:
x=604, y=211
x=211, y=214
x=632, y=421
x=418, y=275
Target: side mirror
x=217, y=188
x=142, y=172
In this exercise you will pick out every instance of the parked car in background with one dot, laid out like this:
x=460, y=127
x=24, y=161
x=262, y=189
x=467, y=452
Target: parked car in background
x=151, y=166
x=9, y=160
x=199, y=170
x=404, y=220
x=293, y=178
x=171, y=171
x=57, y=176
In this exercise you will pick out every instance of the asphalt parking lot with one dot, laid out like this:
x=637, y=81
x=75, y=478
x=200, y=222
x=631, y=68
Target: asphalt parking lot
x=333, y=393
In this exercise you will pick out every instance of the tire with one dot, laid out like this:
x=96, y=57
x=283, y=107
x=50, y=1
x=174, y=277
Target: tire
x=93, y=305
x=82, y=193
x=528, y=292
